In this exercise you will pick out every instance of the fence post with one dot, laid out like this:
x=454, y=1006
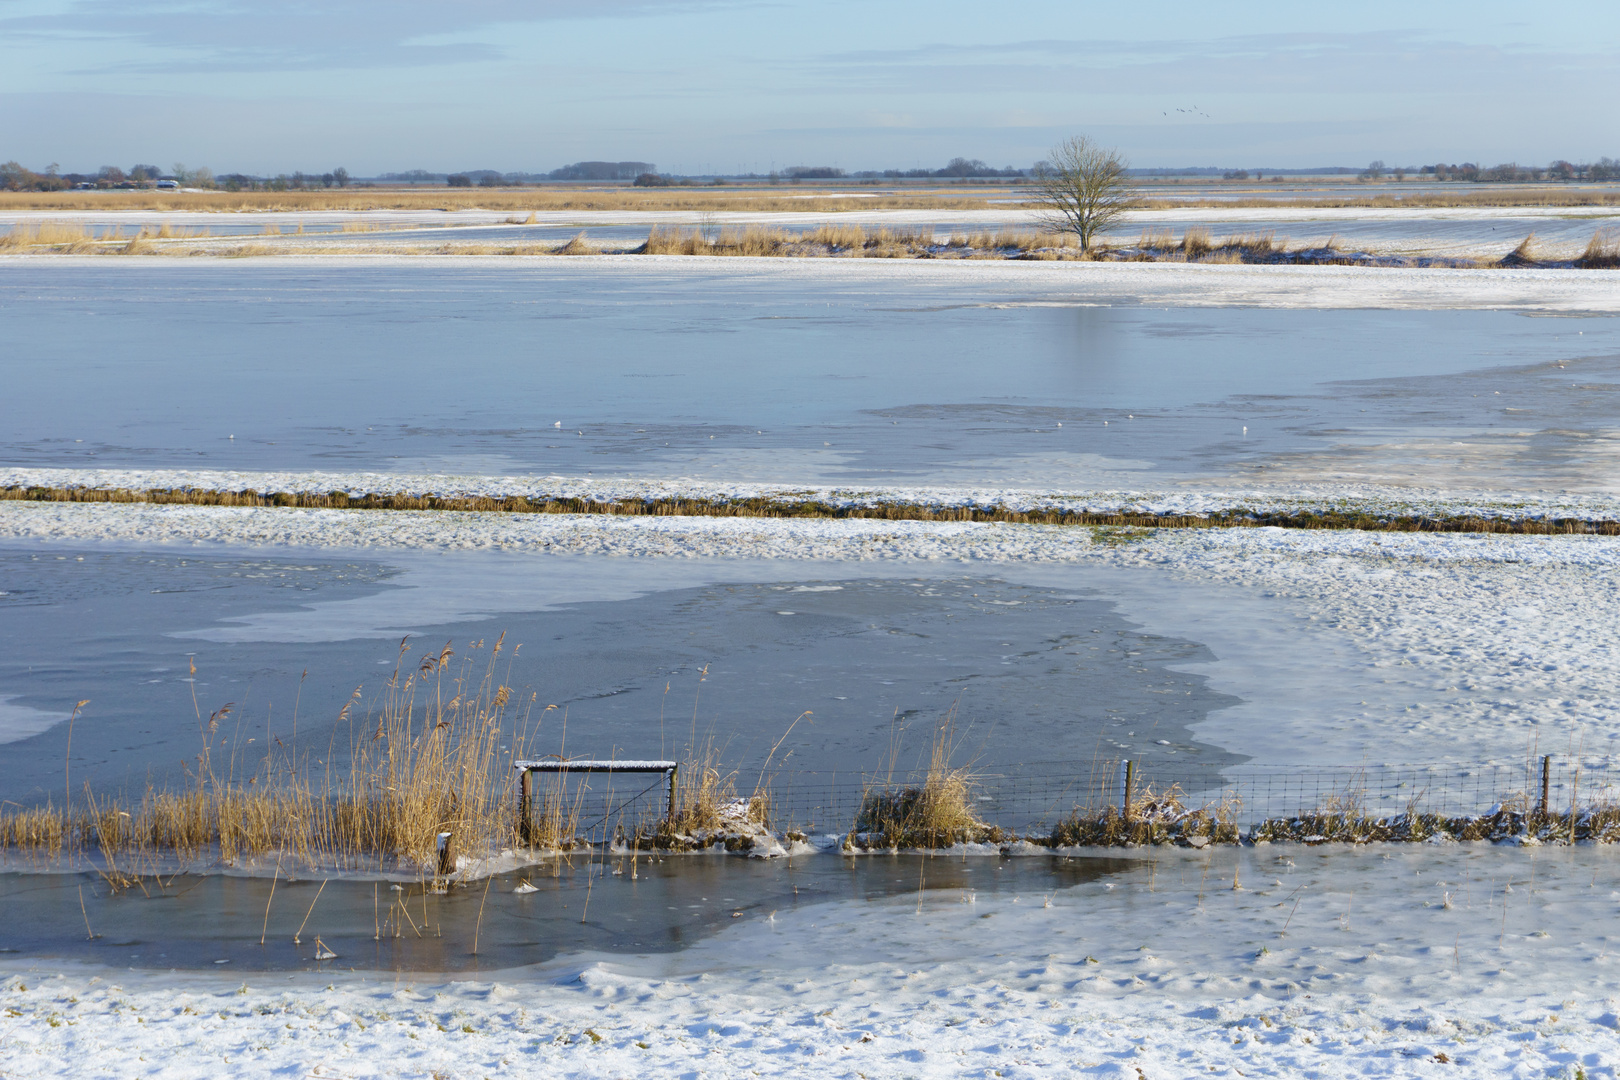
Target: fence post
x=1546, y=780
x=447, y=854
x=1128, y=770
x=525, y=823
x=671, y=811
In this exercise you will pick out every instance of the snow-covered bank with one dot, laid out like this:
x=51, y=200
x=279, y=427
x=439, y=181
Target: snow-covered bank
x=1024, y=283
x=1303, y=497
x=1330, y=964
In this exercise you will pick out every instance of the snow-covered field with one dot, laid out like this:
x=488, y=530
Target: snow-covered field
x=1470, y=961
x=1453, y=231
x=1289, y=497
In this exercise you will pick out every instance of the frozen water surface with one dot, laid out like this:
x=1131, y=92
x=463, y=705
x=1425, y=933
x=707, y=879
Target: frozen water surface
x=787, y=372
x=638, y=658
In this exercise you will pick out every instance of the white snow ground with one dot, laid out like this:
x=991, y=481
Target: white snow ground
x=1039, y=283
x=1467, y=961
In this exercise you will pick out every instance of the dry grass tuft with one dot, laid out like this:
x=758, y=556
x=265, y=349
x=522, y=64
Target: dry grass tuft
x=1154, y=817
x=1196, y=243
x=1602, y=251
x=1523, y=255
x=938, y=813
x=576, y=246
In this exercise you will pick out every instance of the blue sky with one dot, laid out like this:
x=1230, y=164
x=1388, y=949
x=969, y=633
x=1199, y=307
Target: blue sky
x=728, y=85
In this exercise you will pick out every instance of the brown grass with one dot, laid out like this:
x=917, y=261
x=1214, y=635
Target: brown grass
x=576, y=246
x=1154, y=817
x=937, y=813
x=1195, y=242
x=1602, y=251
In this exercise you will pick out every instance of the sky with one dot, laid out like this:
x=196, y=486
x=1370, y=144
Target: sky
x=704, y=86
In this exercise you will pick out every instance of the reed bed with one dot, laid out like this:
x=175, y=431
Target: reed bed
x=434, y=758
x=1108, y=526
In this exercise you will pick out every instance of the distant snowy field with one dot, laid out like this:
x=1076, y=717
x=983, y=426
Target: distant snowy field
x=1467, y=962
x=1455, y=231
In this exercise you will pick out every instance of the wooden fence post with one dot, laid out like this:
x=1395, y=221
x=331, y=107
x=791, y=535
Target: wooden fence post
x=1129, y=769
x=1546, y=781
x=525, y=822
x=447, y=854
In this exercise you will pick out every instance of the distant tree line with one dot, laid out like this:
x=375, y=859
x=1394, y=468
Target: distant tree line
x=1604, y=168
x=14, y=177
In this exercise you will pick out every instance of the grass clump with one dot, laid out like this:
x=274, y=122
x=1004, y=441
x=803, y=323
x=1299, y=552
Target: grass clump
x=1602, y=251
x=1153, y=818
x=937, y=813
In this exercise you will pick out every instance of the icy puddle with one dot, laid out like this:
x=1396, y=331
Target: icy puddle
x=585, y=903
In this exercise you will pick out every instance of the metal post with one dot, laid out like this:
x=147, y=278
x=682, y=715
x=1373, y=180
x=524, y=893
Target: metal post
x=1546, y=780
x=1128, y=768
x=525, y=822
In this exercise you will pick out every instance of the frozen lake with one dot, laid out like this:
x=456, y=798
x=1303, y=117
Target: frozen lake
x=783, y=371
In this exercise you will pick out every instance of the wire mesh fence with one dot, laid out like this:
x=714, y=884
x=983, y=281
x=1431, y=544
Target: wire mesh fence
x=1031, y=800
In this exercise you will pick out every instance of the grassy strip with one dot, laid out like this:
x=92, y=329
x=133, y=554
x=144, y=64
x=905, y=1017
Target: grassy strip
x=1195, y=245
x=786, y=506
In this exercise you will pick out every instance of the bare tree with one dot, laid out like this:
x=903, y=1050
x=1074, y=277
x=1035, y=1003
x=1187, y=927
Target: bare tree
x=1082, y=187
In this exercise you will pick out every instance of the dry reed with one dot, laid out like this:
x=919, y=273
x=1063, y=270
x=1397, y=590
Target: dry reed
x=1602, y=251
x=429, y=761
x=938, y=813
